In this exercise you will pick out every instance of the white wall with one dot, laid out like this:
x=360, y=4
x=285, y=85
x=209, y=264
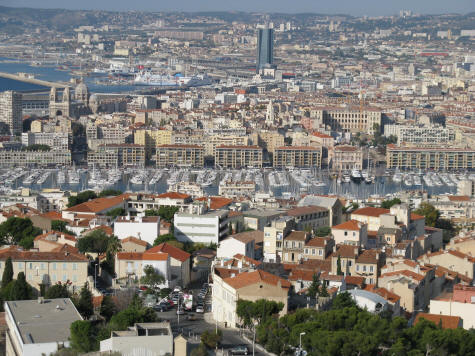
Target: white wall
x=146, y=231
x=197, y=228
x=464, y=310
x=229, y=247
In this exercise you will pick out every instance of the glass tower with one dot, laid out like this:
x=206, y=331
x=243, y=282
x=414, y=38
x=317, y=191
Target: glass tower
x=265, y=48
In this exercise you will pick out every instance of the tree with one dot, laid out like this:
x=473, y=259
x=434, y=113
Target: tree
x=324, y=291
x=164, y=238
x=84, y=303
x=116, y=212
x=15, y=229
x=343, y=300
x=108, y=308
x=339, y=272
x=313, y=288
x=211, y=339
x=21, y=289
x=165, y=212
x=96, y=241
x=200, y=350
x=58, y=225
x=152, y=277
x=387, y=204
x=59, y=290
x=82, y=336
x=81, y=198
x=323, y=231
x=256, y=312
x=7, y=276
x=429, y=212
x=109, y=193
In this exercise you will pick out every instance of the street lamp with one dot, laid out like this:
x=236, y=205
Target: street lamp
x=300, y=343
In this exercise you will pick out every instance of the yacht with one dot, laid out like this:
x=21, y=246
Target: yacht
x=356, y=175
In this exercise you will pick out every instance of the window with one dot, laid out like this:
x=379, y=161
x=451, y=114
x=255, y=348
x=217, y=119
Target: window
x=20, y=265
x=54, y=265
x=42, y=266
x=364, y=268
x=357, y=267
x=371, y=268
x=31, y=265
x=354, y=233
x=65, y=266
x=306, y=251
x=320, y=252
x=349, y=263
x=65, y=278
x=75, y=266
x=313, y=251
x=346, y=233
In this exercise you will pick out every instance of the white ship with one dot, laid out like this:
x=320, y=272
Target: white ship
x=152, y=79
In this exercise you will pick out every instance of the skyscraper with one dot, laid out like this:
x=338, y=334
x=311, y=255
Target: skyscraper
x=265, y=47
x=11, y=111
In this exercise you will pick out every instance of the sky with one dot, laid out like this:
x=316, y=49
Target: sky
x=350, y=7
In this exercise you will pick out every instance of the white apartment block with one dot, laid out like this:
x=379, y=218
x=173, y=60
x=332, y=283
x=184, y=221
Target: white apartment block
x=143, y=228
x=420, y=134
x=55, y=140
x=207, y=228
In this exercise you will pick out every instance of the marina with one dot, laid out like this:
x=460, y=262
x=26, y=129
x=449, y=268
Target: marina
x=280, y=183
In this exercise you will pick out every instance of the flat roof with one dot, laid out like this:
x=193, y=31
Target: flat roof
x=45, y=322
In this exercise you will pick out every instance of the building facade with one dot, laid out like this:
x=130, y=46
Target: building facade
x=236, y=157
x=179, y=156
x=301, y=157
x=11, y=111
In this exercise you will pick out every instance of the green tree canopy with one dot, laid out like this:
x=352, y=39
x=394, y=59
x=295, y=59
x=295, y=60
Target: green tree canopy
x=110, y=193
x=84, y=303
x=116, y=212
x=7, y=276
x=429, y=212
x=323, y=231
x=256, y=312
x=343, y=300
x=21, y=289
x=81, y=198
x=339, y=271
x=152, y=277
x=82, y=336
x=96, y=241
x=108, y=307
x=15, y=230
x=314, y=287
x=59, y=290
x=211, y=339
x=165, y=212
x=387, y=204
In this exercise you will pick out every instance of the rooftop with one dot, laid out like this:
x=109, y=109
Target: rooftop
x=45, y=322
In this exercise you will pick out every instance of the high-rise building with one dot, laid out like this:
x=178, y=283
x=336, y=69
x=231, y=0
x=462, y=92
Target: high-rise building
x=11, y=111
x=265, y=47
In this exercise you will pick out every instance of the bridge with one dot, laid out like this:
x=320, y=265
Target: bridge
x=28, y=78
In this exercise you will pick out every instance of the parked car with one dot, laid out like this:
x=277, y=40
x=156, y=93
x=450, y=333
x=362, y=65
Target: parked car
x=239, y=350
x=180, y=311
x=200, y=309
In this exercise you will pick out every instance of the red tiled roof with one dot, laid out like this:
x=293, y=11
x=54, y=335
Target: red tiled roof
x=459, y=198
x=20, y=255
x=134, y=240
x=416, y=217
x=58, y=235
x=318, y=242
x=448, y=322
x=371, y=211
x=107, y=229
x=355, y=280
x=250, y=278
x=304, y=210
x=97, y=205
x=174, y=195
x=405, y=272
x=216, y=202
x=142, y=256
x=348, y=225
x=173, y=251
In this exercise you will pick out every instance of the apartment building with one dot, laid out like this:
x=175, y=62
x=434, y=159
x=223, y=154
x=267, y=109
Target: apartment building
x=274, y=237
x=146, y=228
x=16, y=158
x=420, y=134
x=11, y=111
x=345, y=157
x=233, y=189
x=461, y=303
x=179, y=156
x=268, y=140
x=294, y=156
x=453, y=260
x=332, y=203
x=229, y=286
x=117, y=155
x=435, y=157
x=151, y=138
x=293, y=246
x=349, y=118
x=138, y=202
x=309, y=217
x=209, y=227
x=130, y=265
x=210, y=142
x=47, y=268
x=38, y=327
x=56, y=140
x=180, y=262
x=237, y=157
x=243, y=243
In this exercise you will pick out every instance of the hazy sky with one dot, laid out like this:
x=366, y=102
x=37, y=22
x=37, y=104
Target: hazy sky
x=351, y=7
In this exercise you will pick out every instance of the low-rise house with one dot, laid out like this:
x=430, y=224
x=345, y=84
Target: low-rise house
x=130, y=265
x=133, y=244
x=333, y=204
x=145, y=228
x=180, y=262
x=351, y=232
x=293, y=246
x=243, y=243
x=460, y=303
x=91, y=208
x=452, y=260
x=445, y=321
x=151, y=339
x=38, y=327
x=232, y=286
x=369, y=301
x=47, y=268
x=392, y=298
x=210, y=227
x=464, y=243
x=356, y=262
x=51, y=240
x=318, y=248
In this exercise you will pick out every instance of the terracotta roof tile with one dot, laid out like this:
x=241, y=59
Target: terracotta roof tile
x=250, y=278
x=371, y=211
x=348, y=225
x=317, y=242
x=134, y=240
x=174, y=195
x=304, y=210
x=448, y=322
x=19, y=255
x=175, y=252
x=97, y=205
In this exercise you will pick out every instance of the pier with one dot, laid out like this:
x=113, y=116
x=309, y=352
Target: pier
x=28, y=78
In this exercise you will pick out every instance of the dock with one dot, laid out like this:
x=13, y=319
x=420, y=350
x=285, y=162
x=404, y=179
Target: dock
x=29, y=79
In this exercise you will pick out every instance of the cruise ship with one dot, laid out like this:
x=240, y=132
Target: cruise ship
x=152, y=79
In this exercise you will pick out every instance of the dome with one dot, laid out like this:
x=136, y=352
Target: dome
x=81, y=89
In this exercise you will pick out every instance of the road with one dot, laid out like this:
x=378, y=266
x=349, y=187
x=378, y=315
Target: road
x=192, y=329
